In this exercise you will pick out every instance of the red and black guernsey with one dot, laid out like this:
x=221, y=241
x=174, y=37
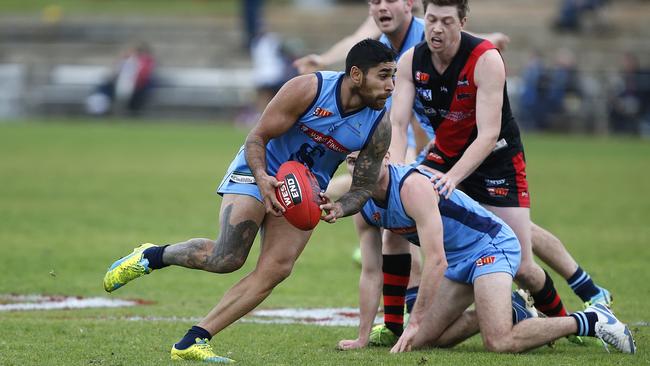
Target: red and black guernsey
x=449, y=99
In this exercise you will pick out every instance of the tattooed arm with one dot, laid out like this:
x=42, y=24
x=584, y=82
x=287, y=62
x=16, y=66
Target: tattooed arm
x=278, y=117
x=364, y=177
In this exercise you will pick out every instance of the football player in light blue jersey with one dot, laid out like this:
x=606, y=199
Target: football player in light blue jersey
x=316, y=119
x=470, y=256
x=392, y=22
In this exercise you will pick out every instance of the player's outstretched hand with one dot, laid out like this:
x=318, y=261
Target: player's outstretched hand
x=267, y=186
x=309, y=63
x=348, y=344
x=405, y=341
x=332, y=210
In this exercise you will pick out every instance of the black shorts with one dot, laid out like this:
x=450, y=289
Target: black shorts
x=499, y=181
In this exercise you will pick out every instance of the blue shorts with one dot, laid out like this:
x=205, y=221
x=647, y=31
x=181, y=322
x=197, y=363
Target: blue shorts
x=239, y=180
x=501, y=254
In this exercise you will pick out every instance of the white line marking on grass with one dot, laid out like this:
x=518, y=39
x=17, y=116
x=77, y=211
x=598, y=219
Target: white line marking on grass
x=11, y=302
x=641, y=324
x=328, y=317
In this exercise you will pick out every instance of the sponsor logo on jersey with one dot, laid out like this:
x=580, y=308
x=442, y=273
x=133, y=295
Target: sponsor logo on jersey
x=430, y=111
x=425, y=94
x=326, y=140
x=495, y=182
x=421, y=77
x=290, y=191
x=242, y=178
x=497, y=191
x=485, y=261
x=404, y=230
x=456, y=116
x=463, y=81
x=502, y=143
x=322, y=112
x=462, y=96
x=435, y=158
x=376, y=216
x=444, y=89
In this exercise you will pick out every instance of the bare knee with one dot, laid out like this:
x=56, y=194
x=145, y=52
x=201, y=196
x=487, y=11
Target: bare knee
x=500, y=344
x=530, y=276
x=274, y=273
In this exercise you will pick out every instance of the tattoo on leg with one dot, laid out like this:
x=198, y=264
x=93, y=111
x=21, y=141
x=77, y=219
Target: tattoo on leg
x=227, y=254
x=234, y=243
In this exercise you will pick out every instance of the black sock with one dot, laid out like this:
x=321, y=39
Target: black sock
x=581, y=283
x=396, y=268
x=191, y=336
x=548, y=301
x=155, y=256
x=586, y=323
x=411, y=296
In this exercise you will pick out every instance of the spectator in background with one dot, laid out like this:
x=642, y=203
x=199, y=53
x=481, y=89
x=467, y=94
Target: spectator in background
x=571, y=13
x=532, y=104
x=564, y=93
x=272, y=60
x=629, y=106
x=128, y=85
x=551, y=97
x=252, y=20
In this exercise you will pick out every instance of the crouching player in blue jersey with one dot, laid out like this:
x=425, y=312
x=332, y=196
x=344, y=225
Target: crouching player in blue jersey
x=470, y=255
x=315, y=119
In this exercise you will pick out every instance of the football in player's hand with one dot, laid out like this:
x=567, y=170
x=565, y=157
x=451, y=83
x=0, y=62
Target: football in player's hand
x=299, y=195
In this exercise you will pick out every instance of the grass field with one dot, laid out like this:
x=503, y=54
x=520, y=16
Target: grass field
x=75, y=196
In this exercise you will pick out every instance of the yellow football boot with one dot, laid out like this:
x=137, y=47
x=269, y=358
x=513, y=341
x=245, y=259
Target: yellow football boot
x=199, y=351
x=127, y=268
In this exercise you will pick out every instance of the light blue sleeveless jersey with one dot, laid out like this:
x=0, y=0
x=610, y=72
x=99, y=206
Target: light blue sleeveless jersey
x=414, y=35
x=467, y=226
x=321, y=138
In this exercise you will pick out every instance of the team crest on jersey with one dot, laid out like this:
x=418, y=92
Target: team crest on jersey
x=322, y=112
x=485, y=260
x=425, y=94
x=421, y=77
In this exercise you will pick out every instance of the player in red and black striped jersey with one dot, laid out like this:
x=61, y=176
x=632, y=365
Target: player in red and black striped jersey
x=460, y=81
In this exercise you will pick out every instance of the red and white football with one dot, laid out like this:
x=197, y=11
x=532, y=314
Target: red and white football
x=299, y=195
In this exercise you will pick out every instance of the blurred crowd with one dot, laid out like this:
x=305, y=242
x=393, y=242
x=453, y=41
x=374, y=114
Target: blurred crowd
x=559, y=97
x=550, y=93
x=553, y=95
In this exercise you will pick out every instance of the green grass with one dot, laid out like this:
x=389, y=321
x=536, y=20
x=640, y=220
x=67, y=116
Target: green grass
x=75, y=196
